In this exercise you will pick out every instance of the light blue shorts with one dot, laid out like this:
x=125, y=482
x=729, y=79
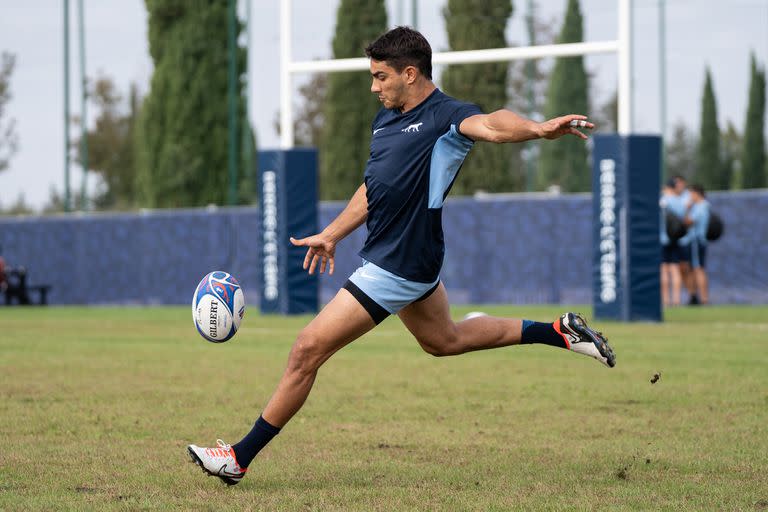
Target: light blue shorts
x=383, y=293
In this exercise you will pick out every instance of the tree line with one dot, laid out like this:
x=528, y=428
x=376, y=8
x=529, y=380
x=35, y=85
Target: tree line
x=723, y=158
x=169, y=148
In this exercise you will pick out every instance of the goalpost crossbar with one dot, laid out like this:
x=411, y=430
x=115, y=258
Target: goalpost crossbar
x=620, y=46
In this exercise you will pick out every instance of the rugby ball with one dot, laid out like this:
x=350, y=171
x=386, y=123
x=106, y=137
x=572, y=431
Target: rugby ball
x=218, y=306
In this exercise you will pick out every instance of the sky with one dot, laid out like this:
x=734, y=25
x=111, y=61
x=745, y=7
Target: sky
x=715, y=33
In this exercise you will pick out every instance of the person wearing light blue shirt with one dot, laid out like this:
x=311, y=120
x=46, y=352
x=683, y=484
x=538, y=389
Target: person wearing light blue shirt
x=675, y=203
x=670, y=251
x=679, y=205
x=697, y=220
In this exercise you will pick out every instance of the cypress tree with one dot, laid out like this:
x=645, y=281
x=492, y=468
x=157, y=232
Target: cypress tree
x=182, y=136
x=753, y=160
x=732, y=143
x=732, y=153
x=350, y=107
x=564, y=161
x=472, y=25
x=110, y=144
x=681, y=152
x=709, y=166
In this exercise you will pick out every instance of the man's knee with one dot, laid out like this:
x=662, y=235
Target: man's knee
x=438, y=350
x=307, y=353
x=440, y=345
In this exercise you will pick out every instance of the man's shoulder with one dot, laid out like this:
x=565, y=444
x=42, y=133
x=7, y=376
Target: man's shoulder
x=701, y=208
x=444, y=100
x=452, y=111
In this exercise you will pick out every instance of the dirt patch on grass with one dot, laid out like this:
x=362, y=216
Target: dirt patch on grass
x=629, y=401
x=386, y=446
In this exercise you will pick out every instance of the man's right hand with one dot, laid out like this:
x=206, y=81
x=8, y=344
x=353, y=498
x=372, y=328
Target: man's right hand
x=320, y=248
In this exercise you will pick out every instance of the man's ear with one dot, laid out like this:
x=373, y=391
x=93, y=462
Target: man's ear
x=411, y=74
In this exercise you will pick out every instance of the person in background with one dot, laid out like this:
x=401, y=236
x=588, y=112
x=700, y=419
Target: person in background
x=670, y=252
x=679, y=206
x=697, y=220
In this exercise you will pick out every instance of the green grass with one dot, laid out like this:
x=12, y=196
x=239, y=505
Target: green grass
x=97, y=405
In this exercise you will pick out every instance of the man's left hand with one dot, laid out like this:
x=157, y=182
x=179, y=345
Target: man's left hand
x=564, y=125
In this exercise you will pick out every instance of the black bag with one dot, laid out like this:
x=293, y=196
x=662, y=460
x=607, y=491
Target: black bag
x=715, y=227
x=676, y=229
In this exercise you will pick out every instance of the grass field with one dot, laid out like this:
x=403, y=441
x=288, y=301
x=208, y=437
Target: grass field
x=98, y=405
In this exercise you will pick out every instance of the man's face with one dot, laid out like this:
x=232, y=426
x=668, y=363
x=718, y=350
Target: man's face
x=680, y=186
x=388, y=84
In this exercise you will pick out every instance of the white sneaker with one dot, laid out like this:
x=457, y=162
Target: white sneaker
x=580, y=338
x=219, y=461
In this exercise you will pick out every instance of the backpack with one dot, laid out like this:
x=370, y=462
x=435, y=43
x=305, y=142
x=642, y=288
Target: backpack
x=715, y=227
x=675, y=227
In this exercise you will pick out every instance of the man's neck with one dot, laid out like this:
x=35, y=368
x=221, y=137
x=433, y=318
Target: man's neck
x=419, y=94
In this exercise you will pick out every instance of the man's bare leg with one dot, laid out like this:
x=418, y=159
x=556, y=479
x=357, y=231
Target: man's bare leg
x=665, y=284
x=431, y=324
x=675, y=283
x=687, y=278
x=341, y=321
x=702, y=284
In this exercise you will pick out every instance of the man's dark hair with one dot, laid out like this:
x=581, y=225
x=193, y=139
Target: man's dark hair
x=401, y=47
x=698, y=189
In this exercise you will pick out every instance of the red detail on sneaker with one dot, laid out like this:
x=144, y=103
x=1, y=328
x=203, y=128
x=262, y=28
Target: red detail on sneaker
x=234, y=456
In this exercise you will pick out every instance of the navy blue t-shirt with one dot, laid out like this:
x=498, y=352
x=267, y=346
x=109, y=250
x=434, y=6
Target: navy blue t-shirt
x=415, y=158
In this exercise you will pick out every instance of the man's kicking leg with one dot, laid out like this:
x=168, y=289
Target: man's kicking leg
x=431, y=324
x=340, y=322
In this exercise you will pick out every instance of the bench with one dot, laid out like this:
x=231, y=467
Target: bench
x=42, y=290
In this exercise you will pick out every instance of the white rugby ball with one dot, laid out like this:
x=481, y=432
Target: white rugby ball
x=218, y=306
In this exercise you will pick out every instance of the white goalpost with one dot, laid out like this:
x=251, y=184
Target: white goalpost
x=621, y=47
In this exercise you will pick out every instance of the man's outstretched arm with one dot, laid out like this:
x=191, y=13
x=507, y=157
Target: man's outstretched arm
x=322, y=247
x=506, y=126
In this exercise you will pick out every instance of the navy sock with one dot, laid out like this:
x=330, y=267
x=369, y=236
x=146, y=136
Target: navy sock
x=261, y=434
x=538, y=332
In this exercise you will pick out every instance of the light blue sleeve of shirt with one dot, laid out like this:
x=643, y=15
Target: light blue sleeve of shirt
x=699, y=214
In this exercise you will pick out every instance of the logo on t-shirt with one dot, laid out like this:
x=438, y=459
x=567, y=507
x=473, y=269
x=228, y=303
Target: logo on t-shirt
x=377, y=130
x=412, y=128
